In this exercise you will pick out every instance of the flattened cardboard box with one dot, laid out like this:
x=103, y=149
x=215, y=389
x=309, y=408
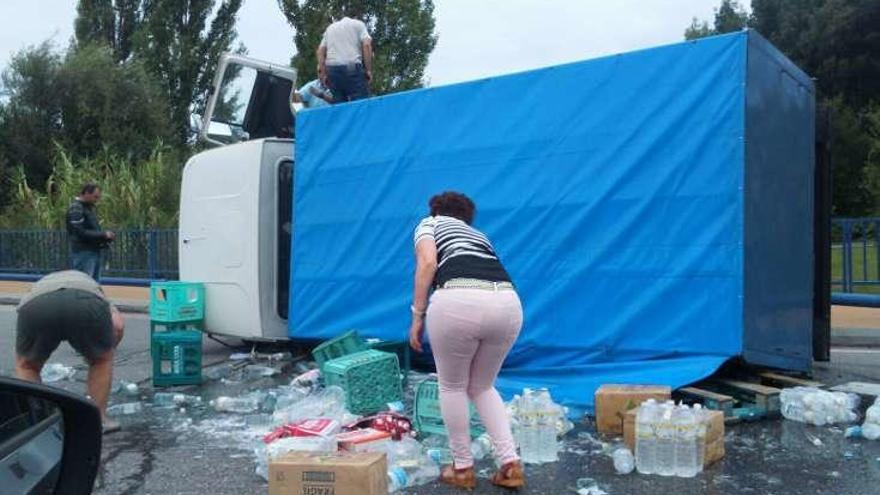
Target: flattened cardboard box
x=329, y=473
x=714, y=435
x=613, y=401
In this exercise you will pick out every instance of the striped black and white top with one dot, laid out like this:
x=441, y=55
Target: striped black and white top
x=462, y=251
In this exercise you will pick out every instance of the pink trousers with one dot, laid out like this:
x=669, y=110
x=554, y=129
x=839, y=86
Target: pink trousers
x=471, y=331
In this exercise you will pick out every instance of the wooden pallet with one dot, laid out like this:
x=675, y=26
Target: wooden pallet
x=760, y=399
x=774, y=379
x=709, y=399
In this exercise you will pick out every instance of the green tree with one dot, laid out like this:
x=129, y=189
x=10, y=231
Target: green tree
x=838, y=43
x=730, y=16
x=110, y=22
x=178, y=41
x=84, y=101
x=402, y=32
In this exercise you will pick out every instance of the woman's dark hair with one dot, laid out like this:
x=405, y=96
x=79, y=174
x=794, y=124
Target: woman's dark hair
x=453, y=204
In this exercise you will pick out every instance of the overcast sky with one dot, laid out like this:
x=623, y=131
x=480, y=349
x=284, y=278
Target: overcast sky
x=477, y=38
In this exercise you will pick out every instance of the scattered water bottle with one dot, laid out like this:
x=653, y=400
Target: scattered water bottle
x=665, y=428
x=241, y=405
x=646, y=437
x=254, y=371
x=439, y=456
x=481, y=446
x=624, y=463
x=125, y=409
x=397, y=479
x=818, y=407
x=55, y=372
x=165, y=399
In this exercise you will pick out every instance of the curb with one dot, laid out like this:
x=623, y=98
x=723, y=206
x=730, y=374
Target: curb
x=855, y=337
x=125, y=307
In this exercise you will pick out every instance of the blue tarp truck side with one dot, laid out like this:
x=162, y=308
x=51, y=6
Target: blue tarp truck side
x=654, y=210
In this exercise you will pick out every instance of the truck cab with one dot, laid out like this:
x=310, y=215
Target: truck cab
x=236, y=201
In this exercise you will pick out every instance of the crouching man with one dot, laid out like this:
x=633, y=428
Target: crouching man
x=69, y=305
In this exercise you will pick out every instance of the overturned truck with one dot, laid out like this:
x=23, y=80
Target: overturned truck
x=655, y=210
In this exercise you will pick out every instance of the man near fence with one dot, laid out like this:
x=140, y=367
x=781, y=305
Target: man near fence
x=87, y=240
x=69, y=305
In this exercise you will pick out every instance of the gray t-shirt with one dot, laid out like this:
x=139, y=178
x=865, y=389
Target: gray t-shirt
x=67, y=279
x=343, y=40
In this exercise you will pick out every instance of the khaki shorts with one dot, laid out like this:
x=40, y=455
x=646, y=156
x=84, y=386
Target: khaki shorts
x=79, y=317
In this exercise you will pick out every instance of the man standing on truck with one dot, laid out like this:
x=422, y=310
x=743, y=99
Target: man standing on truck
x=84, y=233
x=345, y=57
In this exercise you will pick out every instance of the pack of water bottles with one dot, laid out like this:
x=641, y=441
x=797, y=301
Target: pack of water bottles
x=537, y=423
x=818, y=407
x=670, y=439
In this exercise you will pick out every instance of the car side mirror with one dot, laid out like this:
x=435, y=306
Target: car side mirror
x=50, y=440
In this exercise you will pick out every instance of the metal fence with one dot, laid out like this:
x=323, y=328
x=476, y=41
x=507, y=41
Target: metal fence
x=855, y=254
x=138, y=256
x=135, y=257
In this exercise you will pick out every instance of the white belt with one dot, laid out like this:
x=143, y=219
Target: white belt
x=473, y=283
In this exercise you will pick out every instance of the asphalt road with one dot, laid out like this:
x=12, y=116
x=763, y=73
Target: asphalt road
x=196, y=451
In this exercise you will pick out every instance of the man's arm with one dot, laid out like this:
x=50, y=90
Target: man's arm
x=76, y=225
x=322, y=61
x=367, y=45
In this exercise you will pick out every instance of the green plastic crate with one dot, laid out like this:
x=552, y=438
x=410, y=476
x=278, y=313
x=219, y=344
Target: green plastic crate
x=428, y=419
x=177, y=358
x=370, y=379
x=347, y=343
x=177, y=301
x=399, y=347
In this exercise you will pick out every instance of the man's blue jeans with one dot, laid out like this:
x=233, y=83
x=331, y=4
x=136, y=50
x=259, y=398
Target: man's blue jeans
x=88, y=262
x=348, y=82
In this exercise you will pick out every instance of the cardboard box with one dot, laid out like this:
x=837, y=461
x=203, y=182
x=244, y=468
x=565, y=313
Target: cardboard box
x=365, y=440
x=613, y=401
x=324, y=473
x=714, y=435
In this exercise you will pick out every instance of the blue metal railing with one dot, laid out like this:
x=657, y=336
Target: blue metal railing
x=855, y=253
x=135, y=258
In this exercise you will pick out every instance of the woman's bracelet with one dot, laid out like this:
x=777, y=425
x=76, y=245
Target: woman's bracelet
x=416, y=312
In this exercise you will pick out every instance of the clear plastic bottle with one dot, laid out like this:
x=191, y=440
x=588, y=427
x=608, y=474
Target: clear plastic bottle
x=646, y=437
x=702, y=421
x=547, y=427
x=125, y=409
x=439, y=455
x=666, y=440
x=398, y=479
x=528, y=429
x=685, y=442
x=241, y=405
x=623, y=461
x=481, y=447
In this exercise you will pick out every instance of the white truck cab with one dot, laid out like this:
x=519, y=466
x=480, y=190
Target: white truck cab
x=236, y=205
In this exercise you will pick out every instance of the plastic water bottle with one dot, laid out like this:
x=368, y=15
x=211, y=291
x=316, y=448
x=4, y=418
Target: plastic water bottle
x=685, y=442
x=55, y=372
x=623, y=461
x=241, y=405
x=665, y=428
x=481, y=446
x=528, y=429
x=646, y=437
x=439, y=456
x=702, y=418
x=397, y=479
x=546, y=427
x=125, y=409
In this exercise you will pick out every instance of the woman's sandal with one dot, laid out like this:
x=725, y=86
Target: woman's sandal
x=461, y=478
x=510, y=476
